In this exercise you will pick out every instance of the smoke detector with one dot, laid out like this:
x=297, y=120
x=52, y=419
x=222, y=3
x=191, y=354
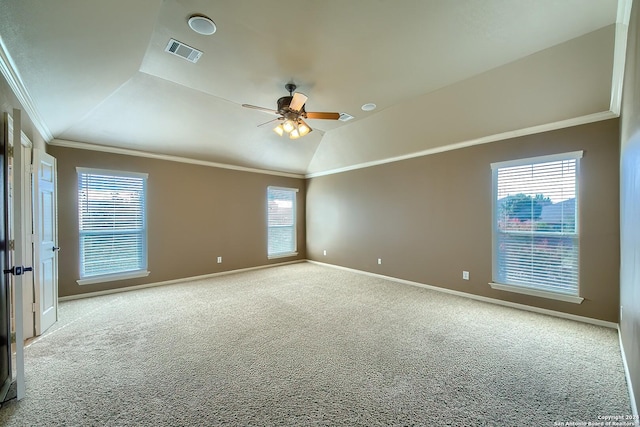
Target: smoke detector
x=202, y=25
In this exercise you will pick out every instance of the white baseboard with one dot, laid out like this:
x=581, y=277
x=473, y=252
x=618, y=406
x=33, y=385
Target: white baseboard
x=172, y=282
x=632, y=396
x=577, y=318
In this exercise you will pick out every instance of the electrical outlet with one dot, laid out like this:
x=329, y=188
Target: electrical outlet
x=465, y=275
x=219, y=260
x=379, y=261
x=324, y=252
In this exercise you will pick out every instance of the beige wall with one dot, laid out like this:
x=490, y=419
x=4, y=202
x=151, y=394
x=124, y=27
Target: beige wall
x=429, y=218
x=630, y=206
x=195, y=214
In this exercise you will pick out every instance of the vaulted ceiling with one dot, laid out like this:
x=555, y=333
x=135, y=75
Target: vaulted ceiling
x=442, y=73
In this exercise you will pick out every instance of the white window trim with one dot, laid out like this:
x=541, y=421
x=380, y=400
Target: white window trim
x=573, y=155
x=536, y=293
x=282, y=255
x=295, y=225
x=113, y=277
x=144, y=272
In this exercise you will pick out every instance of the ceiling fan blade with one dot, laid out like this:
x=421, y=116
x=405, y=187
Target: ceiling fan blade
x=270, y=121
x=298, y=101
x=266, y=110
x=325, y=116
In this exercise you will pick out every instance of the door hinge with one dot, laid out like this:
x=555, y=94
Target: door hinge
x=12, y=245
x=33, y=307
x=10, y=151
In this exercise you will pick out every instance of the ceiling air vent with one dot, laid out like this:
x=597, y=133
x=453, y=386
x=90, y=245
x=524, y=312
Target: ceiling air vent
x=183, y=51
x=344, y=117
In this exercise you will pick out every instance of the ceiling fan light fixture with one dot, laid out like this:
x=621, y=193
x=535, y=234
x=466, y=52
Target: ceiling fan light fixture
x=202, y=25
x=303, y=129
x=291, y=110
x=288, y=126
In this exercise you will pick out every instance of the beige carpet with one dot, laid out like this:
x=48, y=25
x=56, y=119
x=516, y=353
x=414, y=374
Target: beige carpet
x=309, y=345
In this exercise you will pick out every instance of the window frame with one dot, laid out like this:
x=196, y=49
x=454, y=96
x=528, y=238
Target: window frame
x=128, y=274
x=295, y=223
x=522, y=289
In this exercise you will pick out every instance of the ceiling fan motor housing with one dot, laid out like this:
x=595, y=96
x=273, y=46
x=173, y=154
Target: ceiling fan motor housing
x=283, y=105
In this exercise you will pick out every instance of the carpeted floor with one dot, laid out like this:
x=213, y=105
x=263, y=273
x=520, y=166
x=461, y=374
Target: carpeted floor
x=309, y=345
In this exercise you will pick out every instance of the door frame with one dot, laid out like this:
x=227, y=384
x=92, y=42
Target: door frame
x=22, y=176
x=20, y=230
x=6, y=353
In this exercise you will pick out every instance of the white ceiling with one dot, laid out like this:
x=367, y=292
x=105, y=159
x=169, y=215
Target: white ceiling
x=97, y=73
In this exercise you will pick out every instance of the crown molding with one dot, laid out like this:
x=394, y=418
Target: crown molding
x=619, y=56
x=620, y=53
x=11, y=74
x=13, y=78
x=137, y=153
x=590, y=118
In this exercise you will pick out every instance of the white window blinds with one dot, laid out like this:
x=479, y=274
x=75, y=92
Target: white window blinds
x=536, y=223
x=112, y=221
x=281, y=221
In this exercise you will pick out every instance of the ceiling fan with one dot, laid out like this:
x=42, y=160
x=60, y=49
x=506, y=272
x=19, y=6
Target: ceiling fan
x=292, y=112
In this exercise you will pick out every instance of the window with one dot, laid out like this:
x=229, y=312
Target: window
x=112, y=222
x=281, y=221
x=535, y=226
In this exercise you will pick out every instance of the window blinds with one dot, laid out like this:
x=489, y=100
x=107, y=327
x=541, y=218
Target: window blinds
x=535, y=224
x=111, y=212
x=281, y=221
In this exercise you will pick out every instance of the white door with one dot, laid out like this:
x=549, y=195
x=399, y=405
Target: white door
x=23, y=238
x=45, y=239
x=19, y=255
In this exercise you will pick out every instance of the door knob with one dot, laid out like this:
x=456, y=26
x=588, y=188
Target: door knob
x=55, y=248
x=18, y=270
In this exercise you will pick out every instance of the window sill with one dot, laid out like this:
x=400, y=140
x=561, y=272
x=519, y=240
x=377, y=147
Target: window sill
x=113, y=277
x=537, y=293
x=284, y=255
